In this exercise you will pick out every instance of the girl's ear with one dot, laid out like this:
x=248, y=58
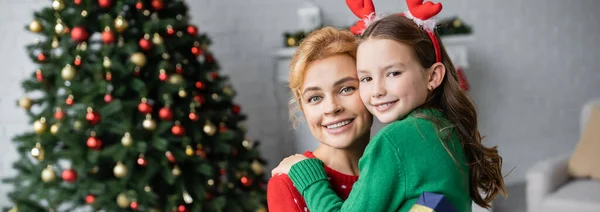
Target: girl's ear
x=435, y=75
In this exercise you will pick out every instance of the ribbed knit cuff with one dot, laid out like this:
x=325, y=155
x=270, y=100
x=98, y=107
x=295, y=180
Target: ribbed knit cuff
x=307, y=172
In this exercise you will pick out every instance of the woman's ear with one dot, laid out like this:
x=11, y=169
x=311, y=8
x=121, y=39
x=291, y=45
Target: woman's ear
x=436, y=74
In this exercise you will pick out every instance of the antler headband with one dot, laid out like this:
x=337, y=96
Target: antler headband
x=418, y=11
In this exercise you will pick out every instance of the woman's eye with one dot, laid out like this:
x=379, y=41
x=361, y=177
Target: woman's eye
x=314, y=98
x=347, y=90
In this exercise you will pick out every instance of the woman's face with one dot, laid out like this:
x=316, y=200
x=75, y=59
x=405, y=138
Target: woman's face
x=331, y=103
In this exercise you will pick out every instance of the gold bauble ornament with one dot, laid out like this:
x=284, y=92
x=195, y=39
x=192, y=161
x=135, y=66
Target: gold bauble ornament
x=139, y=59
x=58, y=5
x=39, y=126
x=55, y=42
x=68, y=73
x=176, y=79
x=35, y=26
x=457, y=23
x=54, y=128
x=209, y=128
x=257, y=167
x=120, y=170
x=120, y=24
x=261, y=209
x=247, y=144
x=189, y=151
x=157, y=39
x=77, y=125
x=228, y=90
x=38, y=152
x=127, y=141
x=182, y=93
x=59, y=28
x=123, y=201
x=148, y=123
x=291, y=41
x=14, y=209
x=25, y=103
x=187, y=198
x=106, y=62
x=48, y=174
x=176, y=171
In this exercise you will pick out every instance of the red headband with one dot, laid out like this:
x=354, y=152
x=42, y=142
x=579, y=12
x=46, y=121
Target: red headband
x=418, y=11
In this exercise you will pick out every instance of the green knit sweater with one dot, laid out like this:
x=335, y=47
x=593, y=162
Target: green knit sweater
x=406, y=158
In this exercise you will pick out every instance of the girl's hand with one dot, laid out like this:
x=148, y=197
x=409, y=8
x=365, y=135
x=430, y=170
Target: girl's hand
x=287, y=163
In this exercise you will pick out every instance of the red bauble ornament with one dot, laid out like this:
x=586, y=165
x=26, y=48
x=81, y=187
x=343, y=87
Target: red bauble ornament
x=142, y=161
x=236, y=109
x=178, y=130
x=170, y=156
x=77, y=2
x=193, y=116
x=108, y=37
x=134, y=205
x=246, y=181
x=77, y=61
x=92, y=117
x=139, y=5
x=39, y=76
x=223, y=128
x=145, y=44
x=200, y=85
x=222, y=171
x=104, y=3
x=199, y=99
x=163, y=76
x=181, y=208
x=69, y=175
x=144, y=107
x=59, y=115
x=170, y=30
x=178, y=69
x=108, y=76
x=197, y=51
x=94, y=143
x=157, y=4
x=192, y=30
x=41, y=57
x=209, y=58
x=69, y=100
x=79, y=34
x=214, y=75
x=201, y=153
x=165, y=113
x=89, y=199
x=108, y=98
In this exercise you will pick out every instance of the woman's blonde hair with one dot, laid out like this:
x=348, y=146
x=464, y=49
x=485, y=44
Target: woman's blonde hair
x=318, y=45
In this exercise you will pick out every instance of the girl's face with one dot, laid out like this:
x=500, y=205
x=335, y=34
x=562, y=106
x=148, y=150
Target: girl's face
x=331, y=103
x=392, y=81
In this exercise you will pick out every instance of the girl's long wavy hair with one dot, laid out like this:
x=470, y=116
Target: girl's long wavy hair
x=485, y=164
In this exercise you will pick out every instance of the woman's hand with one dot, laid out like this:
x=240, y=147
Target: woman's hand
x=286, y=164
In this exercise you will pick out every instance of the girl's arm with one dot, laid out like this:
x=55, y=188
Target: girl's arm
x=282, y=196
x=380, y=187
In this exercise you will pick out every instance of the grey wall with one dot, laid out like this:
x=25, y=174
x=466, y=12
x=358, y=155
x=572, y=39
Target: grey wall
x=533, y=64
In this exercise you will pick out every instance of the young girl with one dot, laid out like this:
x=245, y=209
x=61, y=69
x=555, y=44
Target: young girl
x=431, y=143
x=324, y=83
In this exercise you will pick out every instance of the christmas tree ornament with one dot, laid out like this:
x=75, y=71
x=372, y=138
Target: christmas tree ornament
x=209, y=57
x=69, y=175
x=192, y=30
x=166, y=56
x=126, y=140
x=176, y=171
x=14, y=209
x=84, y=13
x=107, y=36
x=177, y=130
x=187, y=198
x=89, y=199
x=210, y=182
x=176, y=79
x=55, y=43
x=144, y=107
x=209, y=128
x=236, y=109
x=58, y=5
x=145, y=44
x=139, y=59
x=134, y=205
x=139, y=5
x=59, y=28
x=122, y=200
x=182, y=208
x=120, y=170
x=215, y=97
x=247, y=144
x=38, y=151
x=197, y=51
x=165, y=113
x=35, y=26
x=246, y=181
x=106, y=62
x=222, y=127
x=193, y=116
x=41, y=57
x=108, y=76
x=200, y=85
x=182, y=93
x=77, y=125
x=54, y=128
x=228, y=90
x=68, y=72
x=149, y=123
x=104, y=3
x=48, y=174
x=92, y=116
x=39, y=126
x=77, y=2
x=108, y=98
x=170, y=30
x=199, y=99
x=25, y=102
x=157, y=39
x=162, y=76
x=179, y=33
x=170, y=156
x=79, y=34
x=189, y=151
x=82, y=46
x=147, y=188
x=39, y=76
x=261, y=209
x=70, y=100
x=157, y=4
x=178, y=68
x=257, y=167
x=77, y=61
x=94, y=170
x=142, y=161
x=93, y=142
x=120, y=24
x=59, y=114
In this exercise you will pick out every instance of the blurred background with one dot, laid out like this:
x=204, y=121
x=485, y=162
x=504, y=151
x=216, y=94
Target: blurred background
x=530, y=65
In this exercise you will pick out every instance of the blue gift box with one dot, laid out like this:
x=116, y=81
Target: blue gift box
x=432, y=202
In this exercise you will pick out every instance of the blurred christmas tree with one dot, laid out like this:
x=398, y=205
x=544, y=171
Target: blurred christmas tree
x=133, y=115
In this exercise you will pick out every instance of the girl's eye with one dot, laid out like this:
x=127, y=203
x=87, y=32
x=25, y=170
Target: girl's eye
x=314, y=98
x=366, y=79
x=393, y=74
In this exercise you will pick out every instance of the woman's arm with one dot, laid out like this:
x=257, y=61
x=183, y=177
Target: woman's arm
x=282, y=196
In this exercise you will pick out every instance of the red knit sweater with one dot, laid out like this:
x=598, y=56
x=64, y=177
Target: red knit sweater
x=283, y=196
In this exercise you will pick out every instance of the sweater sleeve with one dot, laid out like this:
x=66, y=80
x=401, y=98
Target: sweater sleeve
x=282, y=196
x=380, y=187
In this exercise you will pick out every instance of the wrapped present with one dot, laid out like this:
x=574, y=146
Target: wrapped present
x=432, y=202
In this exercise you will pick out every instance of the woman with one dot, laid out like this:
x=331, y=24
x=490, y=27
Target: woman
x=324, y=82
